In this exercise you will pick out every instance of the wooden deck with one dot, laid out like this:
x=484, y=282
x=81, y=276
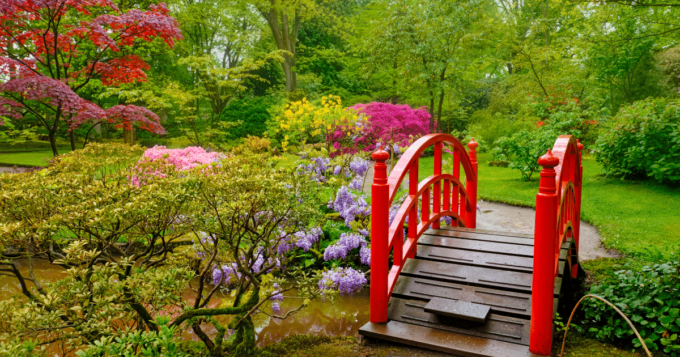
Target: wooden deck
x=491, y=269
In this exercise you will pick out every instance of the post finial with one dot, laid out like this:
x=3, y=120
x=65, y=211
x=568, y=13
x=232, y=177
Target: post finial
x=580, y=146
x=548, y=161
x=380, y=155
x=472, y=144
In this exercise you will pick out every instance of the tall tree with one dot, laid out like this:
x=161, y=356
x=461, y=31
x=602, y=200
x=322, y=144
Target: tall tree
x=52, y=50
x=430, y=39
x=284, y=18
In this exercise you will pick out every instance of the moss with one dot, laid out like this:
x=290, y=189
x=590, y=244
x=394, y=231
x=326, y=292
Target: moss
x=602, y=269
x=580, y=346
x=301, y=343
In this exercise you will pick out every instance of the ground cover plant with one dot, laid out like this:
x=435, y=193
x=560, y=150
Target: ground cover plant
x=648, y=295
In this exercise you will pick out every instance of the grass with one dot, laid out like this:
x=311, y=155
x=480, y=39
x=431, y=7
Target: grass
x=640, y=219
x=32, y=158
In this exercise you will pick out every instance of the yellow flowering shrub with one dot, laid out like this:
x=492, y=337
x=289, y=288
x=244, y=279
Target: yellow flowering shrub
x=305, y=122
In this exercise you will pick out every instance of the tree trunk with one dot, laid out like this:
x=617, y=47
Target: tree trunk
x=289, y=72
x=73, y=140
x=432, y=120
x=439, y=109
x=53, y=142
x=285, y=37
x=129, y=135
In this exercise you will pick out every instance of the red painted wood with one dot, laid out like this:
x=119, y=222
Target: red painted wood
x=379, y=239
x=412, y=192
x=544, y=249
x=456, y=188
x=558, y=216
x=436, y=187
x=471, y=213
x=427, y=196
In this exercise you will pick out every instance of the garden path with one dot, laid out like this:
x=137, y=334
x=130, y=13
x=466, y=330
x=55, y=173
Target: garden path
x=10, y=169
x=503, y=217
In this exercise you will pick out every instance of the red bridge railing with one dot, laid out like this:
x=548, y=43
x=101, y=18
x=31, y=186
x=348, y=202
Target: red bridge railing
x=441, y=192
x=558, y=217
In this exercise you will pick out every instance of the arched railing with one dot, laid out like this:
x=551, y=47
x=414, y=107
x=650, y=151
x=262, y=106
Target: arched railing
x=439, y=195
x=558, y=217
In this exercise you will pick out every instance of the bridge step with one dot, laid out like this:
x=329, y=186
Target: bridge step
x=487, y=232
x=444, y=341
x=458, y=309
x=483, y=259
x=477, y=245
x=472, y=275
x=465, y=266
x=501, y=302
x=465, y=233
x=502, y=328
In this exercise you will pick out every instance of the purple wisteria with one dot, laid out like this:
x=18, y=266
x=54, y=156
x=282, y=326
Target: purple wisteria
x=318, y=167
x=356, y=184
x=359, y=166
x=365, y=255
x=349, y=206
x=305, y=239
x=446, y=220
x=347, y=242
x=345, y=280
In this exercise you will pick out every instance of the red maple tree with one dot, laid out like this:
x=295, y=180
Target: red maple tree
x=51, y=49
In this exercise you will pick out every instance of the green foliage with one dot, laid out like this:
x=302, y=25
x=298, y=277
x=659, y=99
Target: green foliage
x=643, y=140
x=249, y=116
x=138, y=343
x=524, y=148
x=649, y=297
x=17, y=348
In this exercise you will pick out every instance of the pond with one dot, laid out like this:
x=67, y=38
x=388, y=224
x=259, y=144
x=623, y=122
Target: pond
x=342, y=317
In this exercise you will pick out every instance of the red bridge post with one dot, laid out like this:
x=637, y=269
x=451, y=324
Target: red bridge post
x=578, y=186
x=379, y=238
x=545, y=236
x=471, y=187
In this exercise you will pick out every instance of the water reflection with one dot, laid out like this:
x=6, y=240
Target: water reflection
x=342, y=317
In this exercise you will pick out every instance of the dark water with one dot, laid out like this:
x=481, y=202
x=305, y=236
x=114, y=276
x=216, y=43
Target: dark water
x=341, y=317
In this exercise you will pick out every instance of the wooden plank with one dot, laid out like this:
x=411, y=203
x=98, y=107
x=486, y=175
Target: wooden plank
x=471, y=275
x=497, y=327
x=497, y=233
x=444, y=341
x=458, y=309
x=478, y=246
x=482, y=259
x=477, y=235
x=501, y=302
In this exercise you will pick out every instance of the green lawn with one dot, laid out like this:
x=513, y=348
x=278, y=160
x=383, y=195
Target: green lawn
x=34, y=158
x=638, y=218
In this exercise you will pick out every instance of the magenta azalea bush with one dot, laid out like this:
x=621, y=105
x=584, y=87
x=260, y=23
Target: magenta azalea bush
x=387, y=123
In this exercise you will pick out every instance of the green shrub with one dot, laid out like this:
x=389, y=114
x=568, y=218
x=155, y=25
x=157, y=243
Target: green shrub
x=252, y=113
x=649, y=297
x=643, y=140
x=524, y=148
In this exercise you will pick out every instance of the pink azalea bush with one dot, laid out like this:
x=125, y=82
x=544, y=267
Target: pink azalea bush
x=177, y=159
x=387, y=123
x=183, y=159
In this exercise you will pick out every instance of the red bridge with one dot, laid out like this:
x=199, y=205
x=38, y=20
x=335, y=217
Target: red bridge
x=461, y=290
